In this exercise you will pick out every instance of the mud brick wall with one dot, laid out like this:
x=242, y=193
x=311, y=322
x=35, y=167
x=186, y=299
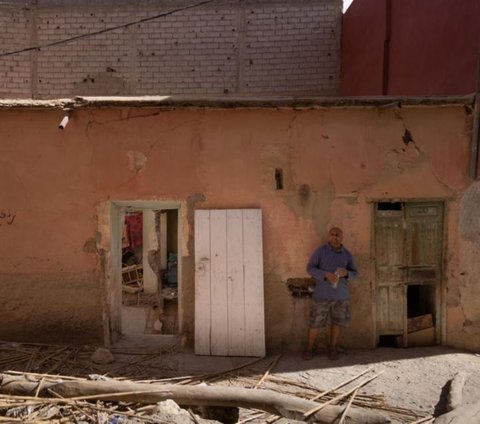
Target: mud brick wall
x=219, y=48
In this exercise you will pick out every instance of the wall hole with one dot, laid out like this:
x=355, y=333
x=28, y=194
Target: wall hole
x=278, y=179
x=387, y=341
x=389, y=206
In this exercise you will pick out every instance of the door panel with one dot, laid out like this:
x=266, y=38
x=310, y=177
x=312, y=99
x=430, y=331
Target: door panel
x=202, y=282
x=408, y=252
x=253, y=267
x=390, y=308
x=218, y=280
x=389, y=249
x=229, y=300
x=424, y=243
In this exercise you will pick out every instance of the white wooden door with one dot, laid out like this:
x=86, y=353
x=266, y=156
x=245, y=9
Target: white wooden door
x=229, y=302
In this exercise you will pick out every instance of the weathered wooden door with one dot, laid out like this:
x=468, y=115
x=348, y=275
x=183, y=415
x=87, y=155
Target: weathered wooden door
x=229, y=302
x=408, y=252
x=389, y=257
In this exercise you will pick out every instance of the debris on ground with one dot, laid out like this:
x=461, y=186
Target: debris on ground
x=129, y=391
x=102, y=356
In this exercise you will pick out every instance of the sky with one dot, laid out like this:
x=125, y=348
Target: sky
x=346, y=3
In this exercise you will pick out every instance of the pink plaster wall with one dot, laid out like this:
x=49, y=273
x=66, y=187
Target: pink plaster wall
x=334, y=162
x=433, y=48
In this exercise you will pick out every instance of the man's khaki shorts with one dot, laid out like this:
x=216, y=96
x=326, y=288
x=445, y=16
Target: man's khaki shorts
x=337, y=310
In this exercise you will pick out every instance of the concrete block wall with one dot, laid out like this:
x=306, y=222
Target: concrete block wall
x=240, y=47
x=15, y=79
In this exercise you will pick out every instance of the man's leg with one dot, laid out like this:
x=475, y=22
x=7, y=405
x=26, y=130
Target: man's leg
x=340, y=317
x=335, y=332
x=312, y=337
x=318, y=317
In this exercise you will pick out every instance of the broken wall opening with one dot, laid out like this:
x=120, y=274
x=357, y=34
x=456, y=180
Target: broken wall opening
x=144, y=270
x=150, y=272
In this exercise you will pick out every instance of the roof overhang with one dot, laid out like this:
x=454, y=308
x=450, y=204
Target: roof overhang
x=183, y=102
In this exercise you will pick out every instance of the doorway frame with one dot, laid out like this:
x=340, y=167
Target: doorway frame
x=440, y=322
x=112, y=263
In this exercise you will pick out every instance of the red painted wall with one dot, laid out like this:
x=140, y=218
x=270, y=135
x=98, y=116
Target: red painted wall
x=433, y=48
x=363, y=36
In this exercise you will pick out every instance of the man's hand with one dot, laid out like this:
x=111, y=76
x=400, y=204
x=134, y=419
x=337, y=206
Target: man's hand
x=342, y=272
x=331, y=277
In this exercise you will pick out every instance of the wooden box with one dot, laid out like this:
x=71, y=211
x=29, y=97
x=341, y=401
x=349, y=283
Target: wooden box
x=132, y=277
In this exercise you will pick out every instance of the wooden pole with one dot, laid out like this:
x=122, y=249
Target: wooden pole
x=266, y=400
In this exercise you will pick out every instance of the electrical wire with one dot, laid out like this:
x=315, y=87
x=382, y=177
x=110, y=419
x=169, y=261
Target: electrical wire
x=103, y=31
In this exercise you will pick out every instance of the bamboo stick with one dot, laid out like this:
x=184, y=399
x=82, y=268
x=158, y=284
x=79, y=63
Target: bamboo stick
x=320, y=407
x=57, y=352
x=39, y=386
x=344, y=414
x=44, y=375
x=423, y=420
x=32, y=358
x=341, y=384
x=72, y=404
x=215, y=376
x=272, y=365
x=194, y=418
x=251, y=418
x=59, y=362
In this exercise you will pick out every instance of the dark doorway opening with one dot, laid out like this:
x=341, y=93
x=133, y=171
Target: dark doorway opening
x=387, y=341
x=420, y=300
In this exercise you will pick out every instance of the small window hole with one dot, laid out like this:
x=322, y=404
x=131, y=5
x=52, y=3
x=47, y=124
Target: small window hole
x=389, y=206
x=278, y=179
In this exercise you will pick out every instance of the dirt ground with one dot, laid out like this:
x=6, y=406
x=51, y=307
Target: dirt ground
x=415, y=379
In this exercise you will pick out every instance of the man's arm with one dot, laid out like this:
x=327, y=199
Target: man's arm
x=313, y=268
x=351, y=269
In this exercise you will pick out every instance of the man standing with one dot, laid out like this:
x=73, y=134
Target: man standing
x=333, y=268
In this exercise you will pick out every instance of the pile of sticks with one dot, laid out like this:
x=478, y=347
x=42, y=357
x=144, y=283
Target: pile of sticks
x=35, y=396
x=75, y=360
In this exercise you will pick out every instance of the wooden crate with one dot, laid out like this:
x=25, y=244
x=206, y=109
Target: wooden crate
x=421, y=322
x=132, y=277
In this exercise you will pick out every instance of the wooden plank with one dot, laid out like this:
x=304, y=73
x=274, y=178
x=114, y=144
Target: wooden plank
x=202, y=282
x=118, y=221
x=235, y=284
x=405, y=315
x=254, y=300
x=424, y=235
x=420, y=323
x=389, y=253
x=390, y=309
x=218, y=275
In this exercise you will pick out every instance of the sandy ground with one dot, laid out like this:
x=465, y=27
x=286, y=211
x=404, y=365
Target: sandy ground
x=414, y=378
